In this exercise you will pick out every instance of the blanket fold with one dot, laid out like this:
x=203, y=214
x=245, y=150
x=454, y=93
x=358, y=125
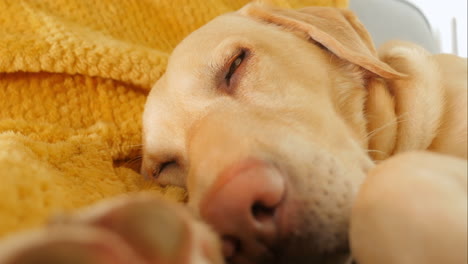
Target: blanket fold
x=74, y=75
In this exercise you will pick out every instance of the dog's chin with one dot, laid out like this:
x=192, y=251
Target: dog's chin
x=300, y=251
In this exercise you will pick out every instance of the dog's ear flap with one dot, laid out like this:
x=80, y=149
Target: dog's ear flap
x=338, y=30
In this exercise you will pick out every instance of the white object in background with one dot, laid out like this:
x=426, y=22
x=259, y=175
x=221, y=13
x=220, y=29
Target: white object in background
x=448, y=21
x=388, y=20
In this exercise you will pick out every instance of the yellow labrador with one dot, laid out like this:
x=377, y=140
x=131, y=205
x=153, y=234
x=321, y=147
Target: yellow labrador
x=274, y=118
x=286, y=127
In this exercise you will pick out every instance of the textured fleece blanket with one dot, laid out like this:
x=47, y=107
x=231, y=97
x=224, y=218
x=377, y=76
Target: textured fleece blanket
x=73, y=79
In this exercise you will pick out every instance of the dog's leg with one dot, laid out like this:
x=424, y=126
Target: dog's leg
x=412, y=209
x=131, y=229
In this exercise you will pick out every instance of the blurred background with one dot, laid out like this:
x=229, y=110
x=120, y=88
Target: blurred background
x=439, y=26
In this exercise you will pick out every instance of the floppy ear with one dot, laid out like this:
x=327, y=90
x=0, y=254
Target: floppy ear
x=338, y=30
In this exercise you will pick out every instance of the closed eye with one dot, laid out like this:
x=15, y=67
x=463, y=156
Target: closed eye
x=235, y=63
x=170, y=173
x=157, y=171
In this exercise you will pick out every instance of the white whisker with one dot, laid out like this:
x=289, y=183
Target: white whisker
x=399, y=119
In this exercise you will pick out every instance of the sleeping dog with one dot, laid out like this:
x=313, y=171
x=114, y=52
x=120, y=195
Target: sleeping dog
x=274, y=118
x=298, y=142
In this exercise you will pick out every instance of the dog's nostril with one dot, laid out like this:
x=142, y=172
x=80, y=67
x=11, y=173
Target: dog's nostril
x=231, y=246
x=262, y=212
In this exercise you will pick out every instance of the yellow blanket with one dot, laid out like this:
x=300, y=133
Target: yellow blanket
x=73, y=79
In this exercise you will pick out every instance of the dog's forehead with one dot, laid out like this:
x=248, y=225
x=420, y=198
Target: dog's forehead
x=205, y=39
x=215, y=30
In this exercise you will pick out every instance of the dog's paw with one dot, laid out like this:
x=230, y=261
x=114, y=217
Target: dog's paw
x=132, y=229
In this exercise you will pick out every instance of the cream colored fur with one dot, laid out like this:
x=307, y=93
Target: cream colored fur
x=316, y=98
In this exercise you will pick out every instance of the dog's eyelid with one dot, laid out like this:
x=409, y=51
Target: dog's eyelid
x=159, y=168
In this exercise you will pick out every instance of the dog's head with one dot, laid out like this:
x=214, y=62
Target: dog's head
x=260, y=114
